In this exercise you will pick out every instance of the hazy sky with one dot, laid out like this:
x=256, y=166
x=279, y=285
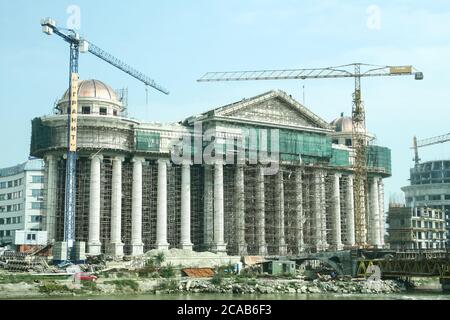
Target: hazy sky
x=176, y=41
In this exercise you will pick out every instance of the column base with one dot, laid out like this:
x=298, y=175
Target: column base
x=219, y=248
x=301, y=248
x=242, y=249
x=262, y=249
x=137, y=249
x=186, y=246
x=282, y=249
x=115, y=249
x=338, y=247
x=162, y=246
x=94, y=248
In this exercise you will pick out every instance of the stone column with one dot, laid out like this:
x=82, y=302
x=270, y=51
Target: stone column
x=374, y=214
x=137, y=247
x=381, y=207
x=240, y=210
x=336, y=214
x=116, y=245
x=52, y=176
x=94, y=244
x=323, y=208
x=279, y=213
x=317, y=211
x=260, y=213
x=219, y=245
x=349, y=205
x=208, y=207
x=161, y=213
x=299, y=210
x=186, y=206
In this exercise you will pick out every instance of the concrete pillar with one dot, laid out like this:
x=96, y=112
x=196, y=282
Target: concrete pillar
x=219, y=245
x=94, y=244
x=319, y=211
x=161, y=213
x=240, y=210
x=208, y=218
x=186, y=206
x=299, y=210
x=336, y=214
x=137, y=246
x=381, y=207
x=260, y=213
x=116, y=245
x=350, y=213
x=279, y=213
x=323, y=208
x=374, y=214
x=52, y=176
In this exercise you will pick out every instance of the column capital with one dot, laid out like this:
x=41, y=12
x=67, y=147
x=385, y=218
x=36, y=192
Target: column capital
x=138, y=159
x=163, y=161
x=218, y=162
x=50, y=157
x=119, y=158
x=186, y=163
x=338, y=174
x=350, y=176
x=96, y=156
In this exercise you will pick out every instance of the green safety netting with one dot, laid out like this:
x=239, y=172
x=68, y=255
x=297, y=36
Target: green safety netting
x=147, y=141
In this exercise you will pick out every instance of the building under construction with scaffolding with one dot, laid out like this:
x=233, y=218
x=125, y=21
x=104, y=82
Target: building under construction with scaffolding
x=142, y=186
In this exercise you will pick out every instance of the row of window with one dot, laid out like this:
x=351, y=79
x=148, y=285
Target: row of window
x=427, y=224
x=429, y=235
x=102, y=111
x=5, y=233
x=13, y=220
x=11, y=196
x=434, y=197
x=11, y=207
x=19, y=206
x=11, y=183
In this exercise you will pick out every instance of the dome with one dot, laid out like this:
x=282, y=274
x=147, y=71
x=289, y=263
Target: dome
x=343, y=124
x=94, y=89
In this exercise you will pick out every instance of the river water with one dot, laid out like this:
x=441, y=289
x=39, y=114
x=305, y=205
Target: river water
x=414, y=295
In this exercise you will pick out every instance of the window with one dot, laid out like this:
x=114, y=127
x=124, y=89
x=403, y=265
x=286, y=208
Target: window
x=434, y=197
x=14, y=220
x=8, y=233
x=335, y=141
x=447, y=197
x=36, y=192
x=420, y=198
x=2, y=221
x=348, y=142
x=115, y=112
x=37, y=205
x=2, y=234
x=103, y=111
x=8, y=208
x=85, y=110
x=37, y=179
x=2, y=197
x=31, y=236
x=19, y=219
x=2, y=185
x=9, y=196
x=36, y=218
x=8, y=220
x=10, y=184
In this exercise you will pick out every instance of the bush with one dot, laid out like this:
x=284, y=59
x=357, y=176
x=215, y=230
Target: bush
x=167, y=271
x=217, y=279
x=122, y=284
x=50, y=287
x=89, y=285
x=168, y=285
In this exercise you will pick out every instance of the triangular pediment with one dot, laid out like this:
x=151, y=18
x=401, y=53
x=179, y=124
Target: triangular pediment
x=275, y=107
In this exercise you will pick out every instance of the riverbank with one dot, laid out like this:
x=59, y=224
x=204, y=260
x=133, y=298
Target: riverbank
x=37, y=288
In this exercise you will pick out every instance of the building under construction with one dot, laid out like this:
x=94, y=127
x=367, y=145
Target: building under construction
x=144, y=185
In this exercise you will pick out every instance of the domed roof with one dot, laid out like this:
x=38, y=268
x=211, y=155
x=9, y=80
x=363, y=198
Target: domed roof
x=93, y=89
x=343, y=124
